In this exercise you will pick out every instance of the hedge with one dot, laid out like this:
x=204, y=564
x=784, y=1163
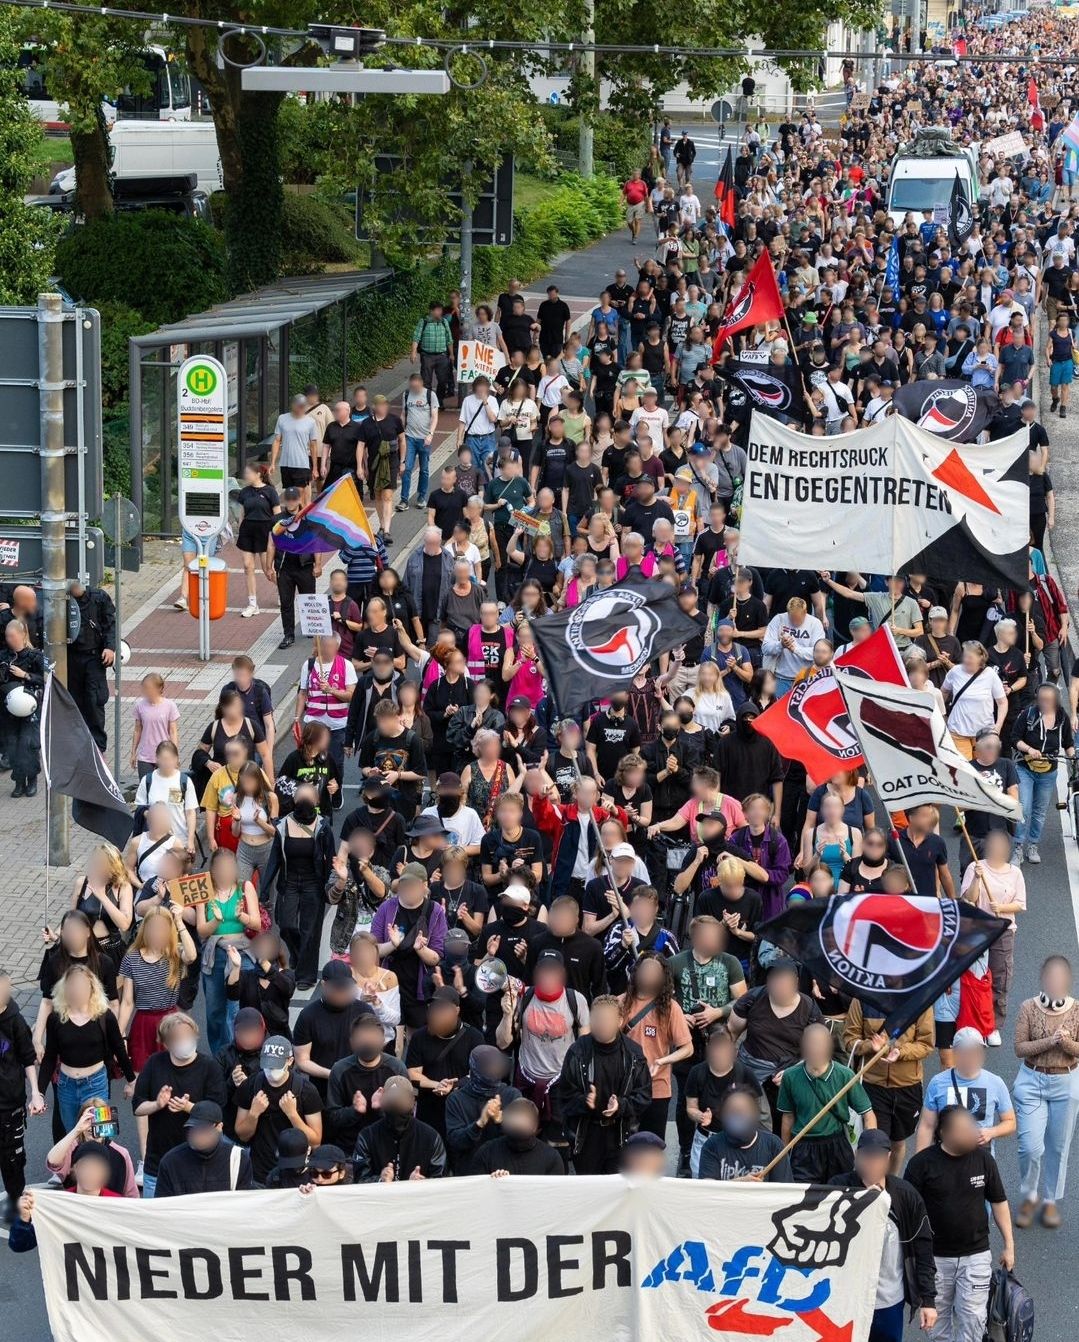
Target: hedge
x=622, y=144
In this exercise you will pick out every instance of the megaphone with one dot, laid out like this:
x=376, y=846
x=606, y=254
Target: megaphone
x=20, y=703
x=491, y=975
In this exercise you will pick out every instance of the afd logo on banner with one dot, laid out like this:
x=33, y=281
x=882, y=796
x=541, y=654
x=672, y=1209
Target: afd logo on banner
x=765, y=1289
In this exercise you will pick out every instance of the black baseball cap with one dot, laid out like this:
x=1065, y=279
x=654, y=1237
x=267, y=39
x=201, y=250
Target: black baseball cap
x=326, y=1157
x=876, y=1140
x=551, y=956
x=644, y=1141
x=204, y=1114
x=446, y=994
x=336, y=971
x=291, y=1150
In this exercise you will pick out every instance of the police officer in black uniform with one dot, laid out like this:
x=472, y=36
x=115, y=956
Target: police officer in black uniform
x=21, y=665
x=90, y=654
x=295, y=573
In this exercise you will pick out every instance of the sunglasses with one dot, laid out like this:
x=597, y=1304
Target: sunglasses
x=325, y=1174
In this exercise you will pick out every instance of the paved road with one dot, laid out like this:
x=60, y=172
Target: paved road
x=1049, y=926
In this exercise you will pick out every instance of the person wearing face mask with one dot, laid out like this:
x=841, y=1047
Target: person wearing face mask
x=207, y=1162
x=240, y=1060
x=958, y=1180
x=510, y=934
x=168, y=1088
x=323, y=1030
x=438, y=1054
x=611, y=735
x=375, y=685
x=275, y=1099
x=475, y=1111
x=301, y=863
x=603, y=1089
x=670, y=767
x=518, y=1148
x=375, y=814
x=354, y=1093
x=747, y=761
x=398, y=1145
x=293, y=1152
x=741, y=1148
x=462, y=823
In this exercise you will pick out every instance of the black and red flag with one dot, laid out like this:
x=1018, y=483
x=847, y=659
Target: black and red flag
x=724, y=191
x=774, y=389
x=947, y=407
x=895, y=953
x=756, y=302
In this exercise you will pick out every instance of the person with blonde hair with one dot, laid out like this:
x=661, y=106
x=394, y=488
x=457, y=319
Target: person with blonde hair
x=83, y=1039
x=712, y=702
x=975, y=697
x=104, y=895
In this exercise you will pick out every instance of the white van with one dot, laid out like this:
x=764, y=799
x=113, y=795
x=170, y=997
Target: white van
x=923, y=173
x=159, y=149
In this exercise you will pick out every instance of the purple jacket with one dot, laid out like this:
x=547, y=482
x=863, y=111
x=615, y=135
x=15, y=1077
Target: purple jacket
x=386, y=915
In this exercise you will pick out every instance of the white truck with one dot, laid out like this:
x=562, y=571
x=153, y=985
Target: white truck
x=924, y=170
x=159, y=149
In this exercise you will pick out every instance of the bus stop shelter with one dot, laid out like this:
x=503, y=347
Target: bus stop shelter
x=272, y=342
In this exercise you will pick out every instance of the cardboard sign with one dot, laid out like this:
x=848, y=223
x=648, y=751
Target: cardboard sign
x=194, y=889
x=859, y=102
x=914, y=106
x=526, y=522
x=314, y=612
x=1011, y=145
x=477, y=360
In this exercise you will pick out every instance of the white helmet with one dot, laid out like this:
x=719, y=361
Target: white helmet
x=20, y=703
x=125, y=652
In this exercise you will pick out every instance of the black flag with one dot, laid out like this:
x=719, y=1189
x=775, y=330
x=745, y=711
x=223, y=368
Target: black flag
x=960, y=216
x=895, y=953
x=774, y=389
x=74, y=766
x=595, y=649
x=947, y=407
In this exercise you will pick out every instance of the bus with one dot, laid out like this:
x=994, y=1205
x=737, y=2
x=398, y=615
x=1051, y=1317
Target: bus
x=168, y=98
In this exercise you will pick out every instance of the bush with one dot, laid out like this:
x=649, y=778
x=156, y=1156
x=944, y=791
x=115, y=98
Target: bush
x=315, y=234
x=622, y=144
x=160, y=265
x=118, y=324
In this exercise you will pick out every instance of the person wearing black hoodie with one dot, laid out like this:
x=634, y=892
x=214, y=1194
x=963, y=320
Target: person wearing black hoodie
x=17, y=1066
x=475, y=1110
x=518, y=1148
x=604, y=1088
x=207, y=1162
x=908, y=1270
x=398, y=1146
x=353, y=1097
x=586, y=970
x=323, y=1031
x=239, y=1061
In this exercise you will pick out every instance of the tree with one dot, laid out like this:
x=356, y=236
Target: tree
x=28, y=234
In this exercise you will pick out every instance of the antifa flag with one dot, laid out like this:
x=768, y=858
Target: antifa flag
x=948, y=408
x=595, y=649
x=724, y=191
x=895, y=953
x=811, y=724
x=756, y=302
x=77, y=768
x=910, y=752
x=960, y=216
x=772, y=389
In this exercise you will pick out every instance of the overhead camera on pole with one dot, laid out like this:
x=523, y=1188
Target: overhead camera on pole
x=347, y=46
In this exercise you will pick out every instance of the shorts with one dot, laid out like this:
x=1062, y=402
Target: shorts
x=253, y=537
x=943, y=1033
x=897, y=1109
x=190, y=546
x=1061, y=372
x=634, y=212
x=295, y=476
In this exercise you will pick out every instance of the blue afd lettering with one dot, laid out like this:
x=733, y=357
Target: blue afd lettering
x=687, y=1262
x=745, y=1263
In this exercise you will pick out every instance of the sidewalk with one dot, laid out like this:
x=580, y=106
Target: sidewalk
x=165, y=640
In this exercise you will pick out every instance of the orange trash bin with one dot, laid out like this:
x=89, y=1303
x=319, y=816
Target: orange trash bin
x=218, y=574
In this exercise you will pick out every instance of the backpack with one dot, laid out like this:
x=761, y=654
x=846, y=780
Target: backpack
x=139, y=816
x=1011, y=1309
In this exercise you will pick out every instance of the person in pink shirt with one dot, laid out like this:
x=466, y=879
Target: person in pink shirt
x=157, y=719
x=122, y=1171
x=704, y=786
x=522, y=669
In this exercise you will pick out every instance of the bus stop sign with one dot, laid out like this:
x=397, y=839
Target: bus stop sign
x=202, y=412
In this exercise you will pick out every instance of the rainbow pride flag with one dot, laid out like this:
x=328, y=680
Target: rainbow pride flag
x=335, y=520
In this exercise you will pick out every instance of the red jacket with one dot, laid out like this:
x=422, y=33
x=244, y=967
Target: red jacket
x=557, y=822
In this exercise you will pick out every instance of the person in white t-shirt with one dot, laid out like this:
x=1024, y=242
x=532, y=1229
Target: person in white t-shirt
x=327, y=683
x=689, y=205
x=462, y=822
x=169, y=785
x=975, y=697
x=652, y=415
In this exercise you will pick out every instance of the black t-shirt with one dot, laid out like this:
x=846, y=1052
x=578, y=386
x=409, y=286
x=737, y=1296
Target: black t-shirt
x=1003, y=775
x=327, y=1030
x=707, y=1090
x=52, y=968
x=750, y=614
x=552, y=460
x=494, y=846
x=640, y=517
x=775, y=1038
x=613, y=462
x=449, y=508
x=1009, y=665
x=392, y=754
x=781, y=584
x=386, y=825
x=595, y=899
x=708, y=544
x=258, y=503
x=374, y=432
x=955, y=1190
x=748, y=908
x=613, y=737
x=552, y=315
x=200, y=1079
x=924, y=859
x=439, y=1058
x=858, y=881
x=380, y=639
x=430, y=584
x=342, y=440
x=582, y=482
x=272, y=1122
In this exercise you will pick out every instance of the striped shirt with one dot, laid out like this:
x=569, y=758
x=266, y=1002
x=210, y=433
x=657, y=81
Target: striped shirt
x=364, y=563
x=150, y=982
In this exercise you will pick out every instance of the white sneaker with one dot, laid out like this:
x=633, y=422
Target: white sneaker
x=993, y=1040
x=1017, y=858
x=248, y=611
x=139, y=1172
x=180, y=603
x=1032, y=853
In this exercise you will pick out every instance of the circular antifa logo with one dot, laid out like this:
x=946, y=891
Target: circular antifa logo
x=741, y=308
x=817, y=706
x=201, y=379
x=888, y=943
x=612, y=634
x=766, y=390
x=949, y=411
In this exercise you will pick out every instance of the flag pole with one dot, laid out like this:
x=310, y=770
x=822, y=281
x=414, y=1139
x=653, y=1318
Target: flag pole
x=962, y=819
x=826, y=1108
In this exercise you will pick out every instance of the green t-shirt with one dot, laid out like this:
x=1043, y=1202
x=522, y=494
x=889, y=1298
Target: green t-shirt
x=802, y=1095
x=509, y=495
x=907, y=614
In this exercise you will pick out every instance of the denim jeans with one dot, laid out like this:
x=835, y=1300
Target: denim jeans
x=220, y=1013
x=483, y=447
x=416, y=449
x=73, y=1091
x=1046, y=1109
x=149, y=1185
x=1036, y=791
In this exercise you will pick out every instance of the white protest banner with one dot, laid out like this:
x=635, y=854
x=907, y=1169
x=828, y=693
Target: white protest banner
x=573, y=1259
x=910, y=752
x=889, y=498
x=475, y=359
x=1006, y=146
x=314, y=613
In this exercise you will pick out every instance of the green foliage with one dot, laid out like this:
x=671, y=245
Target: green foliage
x=621, y=142
x=28, y=234
x=254, y=220
x=161, y=265
x=118, y=324
x=315, y=234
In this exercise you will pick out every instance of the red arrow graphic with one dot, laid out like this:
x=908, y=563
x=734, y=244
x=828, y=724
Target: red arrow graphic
x=826, y=1330
x=732, y=1317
